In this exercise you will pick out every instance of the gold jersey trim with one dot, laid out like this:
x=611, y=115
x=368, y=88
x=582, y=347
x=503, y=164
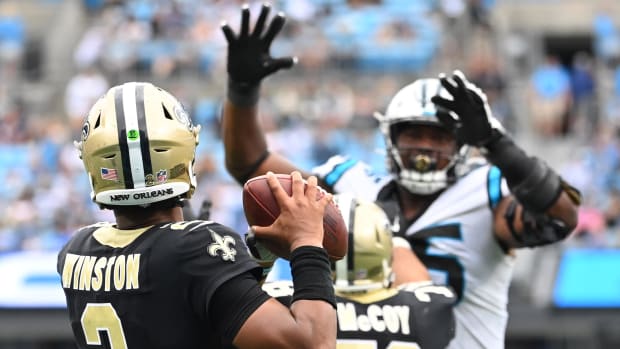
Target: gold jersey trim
x=114, y=237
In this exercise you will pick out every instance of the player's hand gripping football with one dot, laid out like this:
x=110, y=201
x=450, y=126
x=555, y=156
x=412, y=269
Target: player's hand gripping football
x=300, y=222
x=249, y=59
x=474, y=124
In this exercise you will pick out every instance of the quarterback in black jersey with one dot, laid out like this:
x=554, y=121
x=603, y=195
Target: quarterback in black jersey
x=371, y=313
x=153, y=280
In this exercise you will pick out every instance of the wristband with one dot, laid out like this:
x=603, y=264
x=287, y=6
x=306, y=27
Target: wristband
x=311, y=271
x=243, y=94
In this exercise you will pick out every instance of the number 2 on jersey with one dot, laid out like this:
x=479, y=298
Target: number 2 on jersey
x=102, y=317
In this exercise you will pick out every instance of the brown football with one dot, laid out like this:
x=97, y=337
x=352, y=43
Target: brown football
x=261, y=209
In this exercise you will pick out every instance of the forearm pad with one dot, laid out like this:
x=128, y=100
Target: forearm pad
x=243, y=94
x=311, y=271
x=530, y=180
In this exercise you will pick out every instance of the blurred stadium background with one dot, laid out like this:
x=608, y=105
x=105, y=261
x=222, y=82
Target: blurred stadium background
x=550, y=68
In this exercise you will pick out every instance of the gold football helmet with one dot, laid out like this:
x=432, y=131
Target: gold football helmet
x=138, y=147
x=368, y=264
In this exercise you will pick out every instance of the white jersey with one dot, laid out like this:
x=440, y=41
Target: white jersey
x=453, y=238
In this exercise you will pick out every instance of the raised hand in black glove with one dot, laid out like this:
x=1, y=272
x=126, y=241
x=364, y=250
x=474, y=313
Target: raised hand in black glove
x=249, y=59
x=474, y=124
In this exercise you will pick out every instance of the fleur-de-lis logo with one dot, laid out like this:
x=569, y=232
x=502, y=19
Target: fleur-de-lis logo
x=222, y=244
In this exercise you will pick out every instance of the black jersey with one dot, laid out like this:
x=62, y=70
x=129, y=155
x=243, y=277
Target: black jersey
x=412, y=316
x=153, y=287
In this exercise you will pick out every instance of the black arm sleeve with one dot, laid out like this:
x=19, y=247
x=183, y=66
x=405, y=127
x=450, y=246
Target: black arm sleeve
x=536, y=185
x=233, y=303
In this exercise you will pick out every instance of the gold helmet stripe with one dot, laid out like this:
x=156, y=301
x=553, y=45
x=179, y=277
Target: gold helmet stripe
x=132, y=134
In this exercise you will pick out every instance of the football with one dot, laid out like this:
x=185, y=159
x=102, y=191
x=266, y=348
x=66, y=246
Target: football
x=260, y=208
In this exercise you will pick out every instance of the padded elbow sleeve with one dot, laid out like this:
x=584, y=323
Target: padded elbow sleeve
x=530, y=180
x=540, y=189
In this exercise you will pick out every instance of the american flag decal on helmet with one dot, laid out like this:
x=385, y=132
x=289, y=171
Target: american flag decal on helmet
x=109, y=174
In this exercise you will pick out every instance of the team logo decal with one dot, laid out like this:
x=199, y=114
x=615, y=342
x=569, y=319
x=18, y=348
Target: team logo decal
x=85, y=131
x=182, y=116
x=222, y=244
x=162, y=176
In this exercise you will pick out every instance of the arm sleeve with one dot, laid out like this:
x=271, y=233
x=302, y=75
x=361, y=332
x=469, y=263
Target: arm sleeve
x=433, y=316
x=210, y=255
x=233, y=303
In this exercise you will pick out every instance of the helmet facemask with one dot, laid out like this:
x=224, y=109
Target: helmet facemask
x=419, y=173
x=138, y=147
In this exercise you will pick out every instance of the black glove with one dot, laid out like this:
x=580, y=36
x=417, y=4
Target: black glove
x=474, y=124
x=249, y=60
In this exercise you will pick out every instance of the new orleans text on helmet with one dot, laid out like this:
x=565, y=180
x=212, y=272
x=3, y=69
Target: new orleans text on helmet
x=138, y=196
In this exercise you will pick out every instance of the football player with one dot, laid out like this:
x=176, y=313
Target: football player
x=371, y=313
x=151, y=279
x=462, y=215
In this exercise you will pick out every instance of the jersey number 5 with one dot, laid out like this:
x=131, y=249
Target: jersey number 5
x=449, y=264
x=102, y=317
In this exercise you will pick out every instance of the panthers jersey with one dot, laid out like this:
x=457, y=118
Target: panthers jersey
x=453, y=238
x=152, y=287
x=413, y=316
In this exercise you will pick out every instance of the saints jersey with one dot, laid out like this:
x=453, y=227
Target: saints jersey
x=152, y=287
x=413, y=316
x=453, y=238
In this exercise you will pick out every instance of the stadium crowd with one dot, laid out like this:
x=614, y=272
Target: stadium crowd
x=383, y=44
